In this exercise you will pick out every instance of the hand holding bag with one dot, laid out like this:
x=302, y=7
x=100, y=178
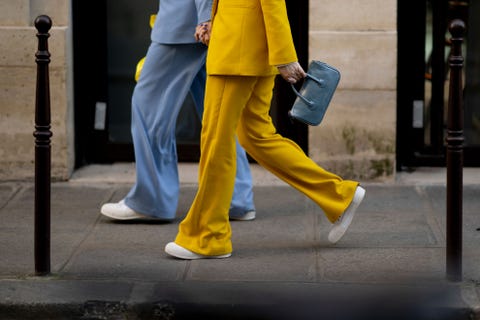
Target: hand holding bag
x=316, y=93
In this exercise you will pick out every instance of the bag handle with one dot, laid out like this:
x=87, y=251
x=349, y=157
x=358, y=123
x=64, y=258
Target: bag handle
x=320, y=83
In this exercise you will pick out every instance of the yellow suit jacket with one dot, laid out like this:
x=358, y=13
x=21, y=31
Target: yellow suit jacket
x=249, y=38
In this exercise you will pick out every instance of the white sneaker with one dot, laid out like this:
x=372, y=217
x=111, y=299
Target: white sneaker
x=341, y=225
x=180, y=252
x=250, y=215
x=120, y=211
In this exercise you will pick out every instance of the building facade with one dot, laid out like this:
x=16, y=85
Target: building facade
x=94, y=47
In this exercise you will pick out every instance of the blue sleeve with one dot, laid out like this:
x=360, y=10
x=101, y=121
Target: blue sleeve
x=204, y=10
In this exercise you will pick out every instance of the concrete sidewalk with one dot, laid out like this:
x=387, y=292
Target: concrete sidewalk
x=390, y=264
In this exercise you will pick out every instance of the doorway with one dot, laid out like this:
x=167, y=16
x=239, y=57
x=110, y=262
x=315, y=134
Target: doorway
x=423, y=77
x=110, y=37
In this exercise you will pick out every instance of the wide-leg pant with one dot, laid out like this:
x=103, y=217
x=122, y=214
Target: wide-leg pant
x=237, y=104
x=168, y=74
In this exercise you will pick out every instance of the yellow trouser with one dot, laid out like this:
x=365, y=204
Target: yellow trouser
x=240, y=104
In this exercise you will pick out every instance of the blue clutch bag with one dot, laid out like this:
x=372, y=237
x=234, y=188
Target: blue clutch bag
x=315, y=95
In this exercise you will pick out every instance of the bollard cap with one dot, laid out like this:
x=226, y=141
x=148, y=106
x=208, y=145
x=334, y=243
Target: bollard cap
x=457, y=28
x=43, y=23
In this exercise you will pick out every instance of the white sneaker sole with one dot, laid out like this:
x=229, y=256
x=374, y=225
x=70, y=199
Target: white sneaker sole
x=338, y=231
x=180, y=252
x=250, y=215
x=112, y=216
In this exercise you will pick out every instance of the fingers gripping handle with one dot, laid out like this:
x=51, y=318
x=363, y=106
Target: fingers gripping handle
x=316, y=80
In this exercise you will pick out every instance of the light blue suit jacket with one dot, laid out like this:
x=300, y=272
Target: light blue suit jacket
x=176, y=20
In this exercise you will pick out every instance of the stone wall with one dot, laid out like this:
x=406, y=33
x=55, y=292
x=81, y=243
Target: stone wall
x=359, y=37
x=17, y=87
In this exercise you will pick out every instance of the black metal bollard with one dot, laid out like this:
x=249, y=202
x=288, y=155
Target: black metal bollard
x=455, y=141
x=42, y=136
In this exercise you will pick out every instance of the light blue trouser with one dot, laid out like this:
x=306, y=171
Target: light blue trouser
x=168, y=74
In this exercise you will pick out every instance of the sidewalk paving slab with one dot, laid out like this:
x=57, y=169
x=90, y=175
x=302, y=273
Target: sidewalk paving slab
x=282, y=266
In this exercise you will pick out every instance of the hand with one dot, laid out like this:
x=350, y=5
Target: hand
x=202, y=32
x=292, y=72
